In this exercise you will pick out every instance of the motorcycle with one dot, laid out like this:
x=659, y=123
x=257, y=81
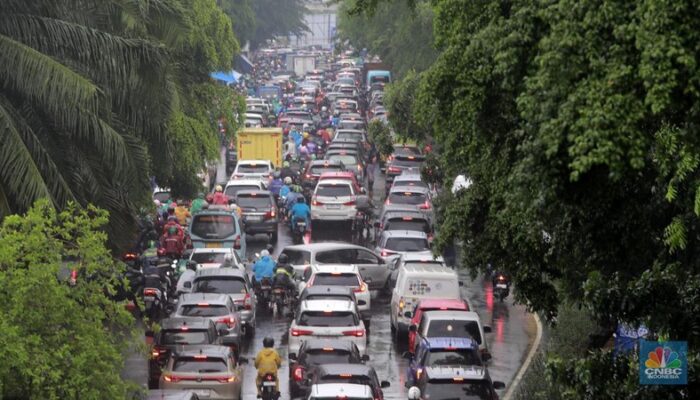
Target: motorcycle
x=268, y=390
x=263, y=292
x=298, y=231
x=501, y=287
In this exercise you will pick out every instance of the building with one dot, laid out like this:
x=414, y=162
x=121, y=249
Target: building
x=321, y=18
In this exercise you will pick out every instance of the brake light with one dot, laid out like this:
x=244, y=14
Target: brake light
x=394, y=169
x=227, y=379
x=362, y=288
x=425, y=206
x=458, y=379
x=129, y=256
x=171, y=378
x=349, y=203
x=230, y=322
x=315, y=202
x=328, y=349
x=237, y=242
x=308, y=176
x=157, y=351
x=248, y=302
x=407, y=218
x=388, y=201
x=202, y=304
x=355, y=332
x=298, y=374
x=359, y=167
x=200, y=357
x=270, y=214
x=301, y=332
x=501, y=278
x=150, y=292
x=345, y=375
x=419, y=372
x=270, y=377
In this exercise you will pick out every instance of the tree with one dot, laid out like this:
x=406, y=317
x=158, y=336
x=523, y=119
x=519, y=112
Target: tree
x=60, y=341
x=403, y=113
x=277, y=18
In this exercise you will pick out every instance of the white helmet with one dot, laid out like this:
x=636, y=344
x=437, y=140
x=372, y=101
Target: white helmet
x=324, y=108
x=287, y=180
x=413, y=393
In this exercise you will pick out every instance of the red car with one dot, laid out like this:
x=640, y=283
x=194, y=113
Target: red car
x=432, y=305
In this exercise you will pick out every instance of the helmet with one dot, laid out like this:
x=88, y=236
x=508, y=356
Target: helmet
x=288, y=180
x=172, y=218
x=157, y=203
x=301, y=199
x=151, y=244
x=413, y=393
x=306, y=134
x=264, y=253
x=305, y=126
x=172, y=206
x=172, y=230
x=282, y=259
x=200, y=195
x=324, y=109
x=276, y=174
x=219, y=188
x=285, y=164
x=270, y=248
x=269, y=342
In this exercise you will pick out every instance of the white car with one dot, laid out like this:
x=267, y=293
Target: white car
x=392, y=243
x=333, y=200
x=340, y=391
x=235, y=185
x=338, y=275
x=215, y=257
x=454, y=324
x=253, y=120
x=319, y=319
x=252, y=169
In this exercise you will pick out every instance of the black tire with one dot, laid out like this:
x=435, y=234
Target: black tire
x=273, y=238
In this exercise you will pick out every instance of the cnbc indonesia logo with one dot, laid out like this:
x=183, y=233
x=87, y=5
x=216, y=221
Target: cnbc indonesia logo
x=663, y=364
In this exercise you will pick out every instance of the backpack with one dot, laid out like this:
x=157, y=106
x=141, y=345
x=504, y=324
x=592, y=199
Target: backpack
x=172, y=244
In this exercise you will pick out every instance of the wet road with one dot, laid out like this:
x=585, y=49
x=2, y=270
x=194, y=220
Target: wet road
x=512, y=332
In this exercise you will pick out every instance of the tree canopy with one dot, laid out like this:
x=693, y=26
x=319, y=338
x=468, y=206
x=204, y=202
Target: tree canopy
x=256, y=21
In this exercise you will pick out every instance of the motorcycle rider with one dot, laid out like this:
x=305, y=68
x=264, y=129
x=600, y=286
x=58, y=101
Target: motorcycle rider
x=284, y=274
x=300, y=210
x=219, y=198
x=172, y=223
x=287, y=172
x=173, y=243
x=263, y=268
x=284, y=190
x=182, y=213
x=268, y=361
x=198, y=204
x=276, y=184
x=292, y=196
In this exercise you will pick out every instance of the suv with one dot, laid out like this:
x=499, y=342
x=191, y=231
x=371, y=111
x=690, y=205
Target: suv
x=411, y=196
x=327, y=318
x=210, y=371
x=338, y=275
x=333, y=200
x=316, y=168
x=232, y=282
x=259, y=212
x=392, y=243
x=350, y=373
x=326, y=391
x=177, y=332
x=216, y=307
x=398, y=163
x=451, y=382
x=456, y=324
x=426, y=305
x=403, y=220
x=351, y=159
x=442, y=352
x=408, y=178
x=252, y=169
x=232, y=187
x=315, y=352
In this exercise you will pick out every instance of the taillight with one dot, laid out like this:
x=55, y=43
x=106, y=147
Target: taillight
x=359, y=167
x=301, y=332
x=73, y=277
x=394, y=169
x=237, y=242
x=247, y=302
x=227, y=379
x=355, y=332
x=172, y=378
x=298, y=374
x=425, y=206
x=308, y=176
x=315, y=202
x=402, y=304
x=501, y=278
x=156, y=352
x=387, y=202
x=149, y=292
x=230, y=322
x=270, y=214
x=419, y=372
x=349, y=203
x=362, y=288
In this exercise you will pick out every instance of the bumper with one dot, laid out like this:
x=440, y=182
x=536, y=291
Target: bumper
x=332, y=215
x=222, y=391
x=268, y=226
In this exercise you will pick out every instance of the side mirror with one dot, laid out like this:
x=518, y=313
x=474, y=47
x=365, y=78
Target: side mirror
x=192, y=264
x=187, y=285
x=487, y=329
x=385, y=384
x=408, y=314
x=292, y=356
x=365, y=358
x=362, y=190
x=407, y=355
x=222, y=329
x=413, y=328
x=498, y=385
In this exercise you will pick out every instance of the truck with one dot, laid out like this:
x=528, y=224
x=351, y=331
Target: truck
x=371, y=66
x=301, y=64
x=260, y=144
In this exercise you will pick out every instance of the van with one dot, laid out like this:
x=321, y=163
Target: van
x=417, y=282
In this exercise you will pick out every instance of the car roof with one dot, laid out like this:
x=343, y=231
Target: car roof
x=405, y=234
x=340, y=390
x=453, y=315
x=333, y=182
x=324, y=246
x=408, y=189
x=327, y=305
x=451, y=342
x=344, y=368
x=220, y=272
x=340, y=268
x=254, y=193
x=471, y=372
x=206, y=350
x=327, y=290
x=422, y=269
x=341, y=344
x=241, y=182
x=198, y=298
x=189, y=322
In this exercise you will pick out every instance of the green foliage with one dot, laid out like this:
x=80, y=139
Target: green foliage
x=380, y=134
x=257, y=21
x=60, y=341
x=403, y=113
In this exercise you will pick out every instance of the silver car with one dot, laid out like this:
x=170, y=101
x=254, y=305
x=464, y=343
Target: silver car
x=216, y=307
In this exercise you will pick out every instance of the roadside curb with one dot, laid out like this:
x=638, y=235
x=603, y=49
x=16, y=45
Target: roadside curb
x=528, y=360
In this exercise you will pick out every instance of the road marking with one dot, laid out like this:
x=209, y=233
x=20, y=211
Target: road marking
x=523, y=368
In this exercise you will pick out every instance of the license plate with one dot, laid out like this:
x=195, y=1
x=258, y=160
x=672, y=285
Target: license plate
x=333, y=206
x=269, y=383
x=203, y=393
x=214, y=245
x=501, y=286
x=254, y=218
x=301, y=223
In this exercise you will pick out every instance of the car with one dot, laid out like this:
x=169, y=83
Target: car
x=233, y=186
x=426, y=305
x=453, y=324
x=392, y=243
x=214, y=258
x=234, y=283
x=316, y=168
x=351, y=373
x=454, y=382
x=333, y=200
x=341, y=144
x=399, y=163
x=355, y=135
x=171, y=395
x=174, y=333
x=373, y=269
x=327, y=391
x=217, y=227
x=210, y=371
x=403, y=220
x=415, y=283
x=442, y=352
x=408, y=179
x=338, y=275
x=257, y=169
x=327, y=319
x=216, y=307
x=351, y=159
x=345, y=175
x=254, y=120
x=413, y=196
x=315, y=352
x=318, y=292
x=259, y=212
x=351, y=123
x=412, y=259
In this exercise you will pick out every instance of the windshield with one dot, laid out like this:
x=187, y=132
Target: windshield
x=252, y=168
x=402, y=224
x=333, y=190
x=443, y=357
x=354, y=136
x=448, y=389
x=208, y=258
x=319, y=169
x=336, y=279
x=219, y=284
x=346, y=159
x=407, y=162
x=185, y=337
x=198, y=310
x=452, y=328
x=200, y=365
x=407, y=244
x=255, y=202
x=327, y=319
x=351, y=125
x=411, y=198
x=233, y=189
x=319, y=357
x=213, y=226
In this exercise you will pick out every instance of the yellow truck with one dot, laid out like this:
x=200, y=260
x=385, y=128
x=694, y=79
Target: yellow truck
x=260, y=144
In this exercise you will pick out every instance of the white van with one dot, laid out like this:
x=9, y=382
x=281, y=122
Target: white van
x=416, y=282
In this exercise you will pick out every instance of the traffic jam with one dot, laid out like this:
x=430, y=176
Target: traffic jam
x=309, y=272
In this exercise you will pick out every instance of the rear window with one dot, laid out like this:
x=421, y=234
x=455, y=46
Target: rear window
x=408, y=162
x=406, y=151
x=253, y=201
x=184, y=337
x=208, y=258
x=346, y=159
x=338, y=190
x=327, y=318
x=232, y=190
x=354, y=136
x=454, y=329
x=444, y=357
x=200, y=365
x=351, y=125
x=334, y=356
x=336, y=279
x=298, y=257
x=223, y=285
x=411, y=198
x=407, y=244
x=319, y=169
x=197, y=310
x=213, y=226
x=407, y=224
x=253, y=168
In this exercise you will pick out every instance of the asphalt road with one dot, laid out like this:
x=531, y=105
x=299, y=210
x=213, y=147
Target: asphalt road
x=512, y=332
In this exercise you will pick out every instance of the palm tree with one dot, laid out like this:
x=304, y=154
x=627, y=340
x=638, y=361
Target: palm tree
x=84, y=92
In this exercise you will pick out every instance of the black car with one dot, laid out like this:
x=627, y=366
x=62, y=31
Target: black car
x=317, y=167
x=176, y=332
x=315, y=352
x=349, y=373
x=400, y=163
